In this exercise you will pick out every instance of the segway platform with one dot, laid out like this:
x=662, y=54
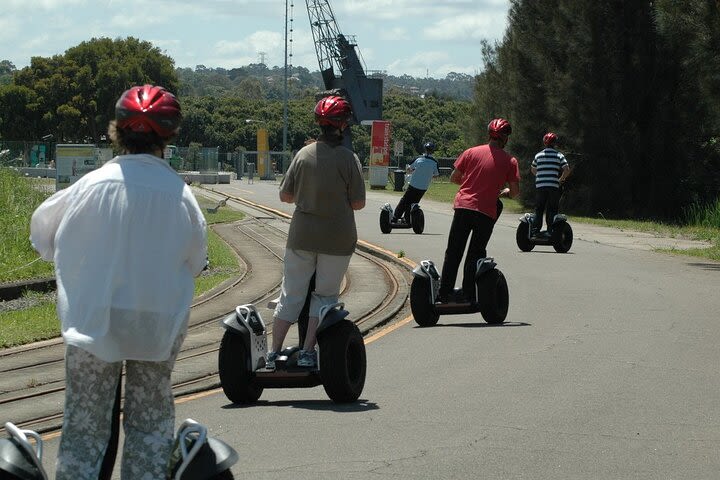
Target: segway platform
x=490, y=298
x=243, y=349
x=194, y=455
x=416, y=220
x=560, y=235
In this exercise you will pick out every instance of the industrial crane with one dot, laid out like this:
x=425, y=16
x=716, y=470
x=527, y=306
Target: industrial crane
x=336, y=50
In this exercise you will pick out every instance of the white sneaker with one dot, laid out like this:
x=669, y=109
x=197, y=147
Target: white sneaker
x=307, y=359
x=270, y=360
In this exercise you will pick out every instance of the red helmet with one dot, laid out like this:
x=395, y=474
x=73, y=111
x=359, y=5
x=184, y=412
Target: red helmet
x=334, y=111
x=499, y=127
x=148, y=108
x=549, y=139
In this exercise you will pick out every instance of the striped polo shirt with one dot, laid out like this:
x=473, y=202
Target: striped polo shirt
x=549, y=164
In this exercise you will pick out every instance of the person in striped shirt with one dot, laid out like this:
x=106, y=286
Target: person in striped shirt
x=550, y=169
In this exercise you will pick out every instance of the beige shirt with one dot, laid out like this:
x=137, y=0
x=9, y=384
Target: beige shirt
x=324, y=180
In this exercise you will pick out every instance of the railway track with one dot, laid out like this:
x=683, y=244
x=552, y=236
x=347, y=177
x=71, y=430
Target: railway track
x=375, y=291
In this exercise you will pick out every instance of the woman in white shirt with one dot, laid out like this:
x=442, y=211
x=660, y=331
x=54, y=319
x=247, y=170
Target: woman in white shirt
x=127, y=240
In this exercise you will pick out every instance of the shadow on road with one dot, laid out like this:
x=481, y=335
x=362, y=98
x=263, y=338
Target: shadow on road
x=706, y=266
x=480, y=325
x=318, y=405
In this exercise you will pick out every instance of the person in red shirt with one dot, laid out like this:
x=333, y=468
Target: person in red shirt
x=482, y=173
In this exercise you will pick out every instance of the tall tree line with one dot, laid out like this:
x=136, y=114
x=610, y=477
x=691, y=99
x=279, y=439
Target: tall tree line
x=72, y=96
x=631, y=88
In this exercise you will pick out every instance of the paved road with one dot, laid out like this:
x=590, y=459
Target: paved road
x=607, y=368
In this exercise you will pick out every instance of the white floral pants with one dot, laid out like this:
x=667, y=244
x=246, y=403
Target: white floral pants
x=148, y=416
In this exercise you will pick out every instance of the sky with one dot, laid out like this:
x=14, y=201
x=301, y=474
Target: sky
x=421, y=38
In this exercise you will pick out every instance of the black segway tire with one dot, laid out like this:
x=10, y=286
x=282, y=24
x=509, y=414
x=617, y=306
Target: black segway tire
x=521, y=237
x=423, y=311
x=494, y=297
x=385, y=221
x=236, y=379
x=417, y=221
x=225, y=475
x=562, y=237
x=343, y=363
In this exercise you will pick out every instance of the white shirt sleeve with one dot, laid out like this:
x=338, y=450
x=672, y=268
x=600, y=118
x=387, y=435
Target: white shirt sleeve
x=45, y=222
x=198, y=251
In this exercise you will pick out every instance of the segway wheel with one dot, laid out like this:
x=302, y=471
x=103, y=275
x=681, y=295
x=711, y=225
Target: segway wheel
x=234, y=368
x=494, y=297
x=343, y=362
x=562, y=237
x=385, y=221
x=417, y=220
x=423, y=311
x=522, y=237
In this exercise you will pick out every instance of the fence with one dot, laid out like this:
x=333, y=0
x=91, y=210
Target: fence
x=26, y=153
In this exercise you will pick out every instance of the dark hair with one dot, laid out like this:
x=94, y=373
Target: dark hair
x=136, y=142
x=331, y=135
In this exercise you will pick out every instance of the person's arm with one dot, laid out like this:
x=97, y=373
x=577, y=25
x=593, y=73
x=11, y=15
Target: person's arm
x=45, y=222
x=357, y=205
x=456, y=177
x=514, y=189
x=357, y=185
x=565, y=173
x=287, y=197
x=533, y=170
x=198, y=257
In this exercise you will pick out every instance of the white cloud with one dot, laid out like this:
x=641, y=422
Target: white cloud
x=468, y=26
x=391, y=34
x=394, y=33
x=123, y=21
x=30, y=5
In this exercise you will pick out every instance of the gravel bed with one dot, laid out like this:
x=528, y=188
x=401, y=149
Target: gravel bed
x=27, y=301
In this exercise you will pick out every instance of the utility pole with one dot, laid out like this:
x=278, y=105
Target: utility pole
x=285, y=95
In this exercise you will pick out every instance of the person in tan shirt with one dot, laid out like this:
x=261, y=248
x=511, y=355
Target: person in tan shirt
x=326, y=184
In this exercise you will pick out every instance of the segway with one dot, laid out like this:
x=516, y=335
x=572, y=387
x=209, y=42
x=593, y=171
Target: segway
x=243, y=354
x=559, y=235
x=416, y=220
x=491, y=297
x=195, y=456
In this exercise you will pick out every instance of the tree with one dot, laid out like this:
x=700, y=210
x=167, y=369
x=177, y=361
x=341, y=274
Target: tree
x=632, y=89
x=18, y=111
x=7, y=68
x=77, y=91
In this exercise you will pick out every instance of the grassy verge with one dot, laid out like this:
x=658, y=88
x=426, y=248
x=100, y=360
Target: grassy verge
x=19, y=197
x=38, y=319
x=32, y=324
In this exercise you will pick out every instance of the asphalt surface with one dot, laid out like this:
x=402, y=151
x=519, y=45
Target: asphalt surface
x=607, y=368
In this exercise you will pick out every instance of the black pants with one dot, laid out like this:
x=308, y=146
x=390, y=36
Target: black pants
x=465, y=222
x=547, y=200
x=411, y=195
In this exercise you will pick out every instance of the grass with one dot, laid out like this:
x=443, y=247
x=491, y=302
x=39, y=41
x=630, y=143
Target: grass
x=39, y=321
x=19, y=197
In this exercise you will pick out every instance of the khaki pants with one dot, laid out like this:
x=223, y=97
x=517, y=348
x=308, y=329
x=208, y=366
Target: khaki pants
x=299, y=267
x=148, y=418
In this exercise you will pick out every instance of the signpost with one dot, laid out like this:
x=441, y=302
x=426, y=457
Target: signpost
x=75, y=160
x=379, y=153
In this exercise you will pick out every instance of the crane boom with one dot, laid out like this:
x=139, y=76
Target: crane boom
x=336, y=50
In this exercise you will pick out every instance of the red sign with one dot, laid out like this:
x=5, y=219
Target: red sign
x=380, y=144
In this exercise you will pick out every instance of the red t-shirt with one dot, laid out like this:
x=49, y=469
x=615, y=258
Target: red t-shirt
x=485, y=171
